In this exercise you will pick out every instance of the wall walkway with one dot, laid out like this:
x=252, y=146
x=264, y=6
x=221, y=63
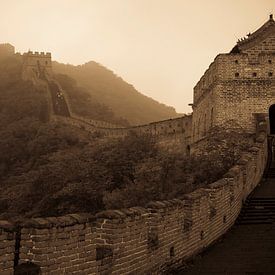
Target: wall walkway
x=135, y=240
x=249, y=248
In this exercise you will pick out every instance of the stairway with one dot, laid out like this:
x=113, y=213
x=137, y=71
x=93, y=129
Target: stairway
x=270, y=173
x=259, y=207
x=249, y=247
x=257, y=210
x=60, y=106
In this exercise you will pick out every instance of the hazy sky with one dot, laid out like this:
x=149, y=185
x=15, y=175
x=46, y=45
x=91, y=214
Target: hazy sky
x=162, y=47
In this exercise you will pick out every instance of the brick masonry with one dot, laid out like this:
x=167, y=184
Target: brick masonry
x=171, y=135
x=136, y=240
x=237, y=85
x=7, y=247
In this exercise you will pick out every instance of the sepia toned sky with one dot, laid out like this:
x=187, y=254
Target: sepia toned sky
x=162, y=47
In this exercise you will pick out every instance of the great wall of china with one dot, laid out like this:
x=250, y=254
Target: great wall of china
x=135, y=240
x=239, y=85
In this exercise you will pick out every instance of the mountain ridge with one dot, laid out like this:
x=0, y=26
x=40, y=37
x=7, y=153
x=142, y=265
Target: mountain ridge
x=112, y=91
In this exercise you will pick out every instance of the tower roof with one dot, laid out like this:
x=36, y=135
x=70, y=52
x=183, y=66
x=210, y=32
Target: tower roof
x=256, y=37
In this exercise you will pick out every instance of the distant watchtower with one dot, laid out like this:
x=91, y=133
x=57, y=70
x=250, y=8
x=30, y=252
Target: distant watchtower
x=37, y=63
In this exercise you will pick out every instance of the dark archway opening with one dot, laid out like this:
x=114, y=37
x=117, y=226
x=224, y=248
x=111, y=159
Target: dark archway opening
x=272, y=119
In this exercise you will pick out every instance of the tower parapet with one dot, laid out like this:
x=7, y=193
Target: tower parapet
x=37, y=54
x=36, y=64
x=237, y=85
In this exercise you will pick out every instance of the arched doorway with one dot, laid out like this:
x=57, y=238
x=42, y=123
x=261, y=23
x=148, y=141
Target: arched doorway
x=272, y=119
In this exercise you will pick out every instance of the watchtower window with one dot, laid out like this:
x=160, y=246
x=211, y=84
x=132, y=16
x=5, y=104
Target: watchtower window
x=237, y=74
x=270, y=74
x=254, y=74
x=46, y=62
x=236, y=61
x=269, y=61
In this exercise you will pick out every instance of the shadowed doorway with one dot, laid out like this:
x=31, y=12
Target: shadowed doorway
x=272, y=119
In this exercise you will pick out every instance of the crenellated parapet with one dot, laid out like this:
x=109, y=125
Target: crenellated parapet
x=237, y=85
x=36, y=65
x=37, y=54
x=137, y=240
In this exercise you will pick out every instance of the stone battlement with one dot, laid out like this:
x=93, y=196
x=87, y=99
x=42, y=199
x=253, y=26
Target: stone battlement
x=37, y=54
x=171, y=135
x=234, y=67
x=36, y=65
x=237, y=85
x=135, y=240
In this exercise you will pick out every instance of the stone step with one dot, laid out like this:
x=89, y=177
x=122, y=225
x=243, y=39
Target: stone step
x=257, y=210
x=261, y=198
x=258, y=216
x=255, y=222
x=259, y=207
x=249, y=248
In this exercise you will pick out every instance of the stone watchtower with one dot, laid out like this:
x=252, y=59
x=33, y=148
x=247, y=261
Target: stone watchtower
x=36, y=64
x=238, y=85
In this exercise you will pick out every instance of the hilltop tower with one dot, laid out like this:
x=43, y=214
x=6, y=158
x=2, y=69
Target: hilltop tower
x=238, y=85
x=38, y=64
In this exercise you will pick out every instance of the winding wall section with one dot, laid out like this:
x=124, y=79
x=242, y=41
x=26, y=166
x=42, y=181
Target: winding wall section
x=136, y=240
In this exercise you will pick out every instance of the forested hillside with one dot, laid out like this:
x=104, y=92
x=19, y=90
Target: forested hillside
x=48, y=168
x=112, y=91
x=85, y=104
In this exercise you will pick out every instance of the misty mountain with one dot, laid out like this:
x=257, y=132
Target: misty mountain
x=112, y=91
x=84, y=104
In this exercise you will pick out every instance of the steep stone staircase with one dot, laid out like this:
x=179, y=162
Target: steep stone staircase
x=259, y=210
x=59, y=103
x=60, y=106
x=249, y=247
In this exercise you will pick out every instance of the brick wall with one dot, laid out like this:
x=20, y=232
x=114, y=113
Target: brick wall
x=264, y=43
x=7, y=247
x=171, y=135
x=233, y=88
x=138, y=240
x=61, y=245
x=244, y=89
x=31, y=59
